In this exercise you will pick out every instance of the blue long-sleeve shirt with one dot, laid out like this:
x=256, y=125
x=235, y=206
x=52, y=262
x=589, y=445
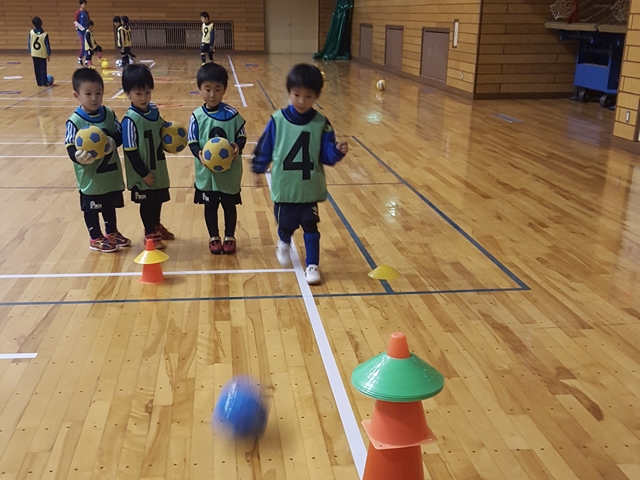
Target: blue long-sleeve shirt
x=47, y=45
x=329, y=154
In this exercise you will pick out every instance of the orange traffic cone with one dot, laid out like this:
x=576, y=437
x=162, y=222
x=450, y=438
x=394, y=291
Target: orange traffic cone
x=151, y=260
x=398, y=381
x=401, y=463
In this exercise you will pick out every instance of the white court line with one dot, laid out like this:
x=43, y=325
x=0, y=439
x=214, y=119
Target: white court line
x=351, y=429
x=121, y=91
x=137, y=274
x=11, y=356
x=235, y=76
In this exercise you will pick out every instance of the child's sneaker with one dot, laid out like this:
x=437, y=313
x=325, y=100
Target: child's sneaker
x=118, y=239
x=283, y=253
x=157, y=240
x=313, y=275
x=103, y=245
x=229, y=245
x=164, y=233
x=215, y=245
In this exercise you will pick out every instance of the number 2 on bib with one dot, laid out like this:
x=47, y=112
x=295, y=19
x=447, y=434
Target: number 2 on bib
x=306, y=165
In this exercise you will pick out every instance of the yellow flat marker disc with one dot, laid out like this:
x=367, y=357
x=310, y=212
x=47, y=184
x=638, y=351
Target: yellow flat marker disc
x=384, y=272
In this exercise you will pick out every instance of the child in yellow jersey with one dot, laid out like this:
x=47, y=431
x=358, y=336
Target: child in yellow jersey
x=208, y=36
x=40, y=51
x=90, y=45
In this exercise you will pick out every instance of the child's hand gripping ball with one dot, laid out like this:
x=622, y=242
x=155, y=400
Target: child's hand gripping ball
x=174, y=137
x=93, y=141
x=218, y=154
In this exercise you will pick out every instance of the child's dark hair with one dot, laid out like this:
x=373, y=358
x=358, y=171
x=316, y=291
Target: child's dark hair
x=37, y=22
x=82, y=2
x=306, y=76
x=125, y=20
x=84, y=75
x=91, y=24
x=117, y=19
x=213, y=72
x=205, y=15
x=136, y=76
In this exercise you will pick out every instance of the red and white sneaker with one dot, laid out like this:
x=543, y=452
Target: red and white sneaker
x=164, y=233
x=103, y=245
x=118, y=239
x=229, y=245
x=157, y=240
x=215, y=245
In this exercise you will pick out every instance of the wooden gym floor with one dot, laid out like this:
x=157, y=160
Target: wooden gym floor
x=516, y=228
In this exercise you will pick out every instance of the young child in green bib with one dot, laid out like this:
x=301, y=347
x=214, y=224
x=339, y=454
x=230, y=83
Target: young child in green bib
x=298, y=142
x=217, y=119
x=145, y=161
x=99, y=182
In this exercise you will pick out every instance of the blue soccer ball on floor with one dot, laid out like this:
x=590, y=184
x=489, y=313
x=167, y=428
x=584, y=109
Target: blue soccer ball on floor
x=240, y=410
x=49, y=80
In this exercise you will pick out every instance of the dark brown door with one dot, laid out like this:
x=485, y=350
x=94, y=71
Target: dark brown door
x=394, y=47
x=366, y=41
x=435, y=54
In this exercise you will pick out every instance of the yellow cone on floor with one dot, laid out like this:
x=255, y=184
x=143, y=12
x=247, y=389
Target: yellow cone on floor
x=150, y=260
x=384, y=272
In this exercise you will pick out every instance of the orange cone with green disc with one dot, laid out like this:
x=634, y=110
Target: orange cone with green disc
x=398, y=381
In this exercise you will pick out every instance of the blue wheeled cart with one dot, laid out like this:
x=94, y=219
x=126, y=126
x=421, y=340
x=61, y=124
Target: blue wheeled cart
x=598, y=64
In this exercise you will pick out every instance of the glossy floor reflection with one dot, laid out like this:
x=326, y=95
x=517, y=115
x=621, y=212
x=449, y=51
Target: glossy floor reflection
x=514, y=224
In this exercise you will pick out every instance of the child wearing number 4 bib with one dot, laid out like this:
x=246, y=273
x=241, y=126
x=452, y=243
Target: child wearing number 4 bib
x=298, y=142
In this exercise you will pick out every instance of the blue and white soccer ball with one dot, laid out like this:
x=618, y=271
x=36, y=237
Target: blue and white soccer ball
x=93, y=140
x=174, y=137
x=218, y=154
x=119, y=63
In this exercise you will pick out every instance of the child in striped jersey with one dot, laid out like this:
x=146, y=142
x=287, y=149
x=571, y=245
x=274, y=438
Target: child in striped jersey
x=217, y=119
x=100, y=183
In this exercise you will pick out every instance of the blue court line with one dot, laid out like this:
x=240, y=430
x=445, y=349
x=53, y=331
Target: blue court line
x=257, y=297
x=357, y=241
x=319, y=106
x=265, y=94
x=446, y=218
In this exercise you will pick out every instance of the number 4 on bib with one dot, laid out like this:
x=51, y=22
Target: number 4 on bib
x=306, y=165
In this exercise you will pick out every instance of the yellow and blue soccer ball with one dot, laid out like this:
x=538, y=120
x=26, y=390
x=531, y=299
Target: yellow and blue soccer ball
x=174, y=137
x=218, y=154
x=93, y=140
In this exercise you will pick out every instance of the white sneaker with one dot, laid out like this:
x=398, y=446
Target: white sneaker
x=283, y=253
x=313, y=275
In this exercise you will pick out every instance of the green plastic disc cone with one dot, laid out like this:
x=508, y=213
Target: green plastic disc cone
x=397, y=379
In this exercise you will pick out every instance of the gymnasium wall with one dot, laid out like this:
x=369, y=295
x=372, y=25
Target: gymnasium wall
x=518, y=55
x=414, y=15
x=58, y=16
x=326, y=8
x=629, y=88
